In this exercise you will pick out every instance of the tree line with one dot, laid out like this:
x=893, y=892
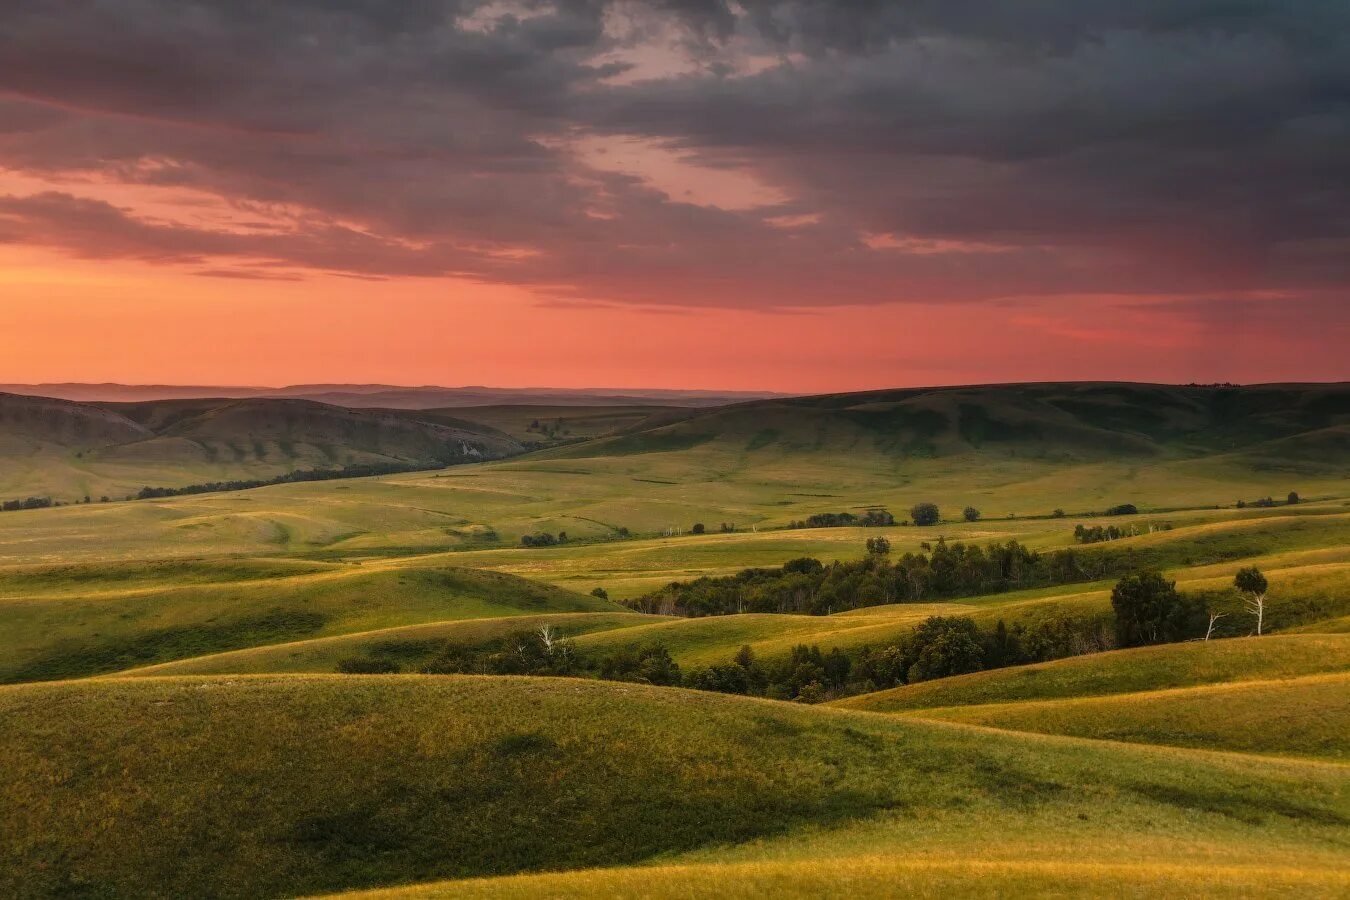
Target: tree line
x=947, y=570
x=358, y=470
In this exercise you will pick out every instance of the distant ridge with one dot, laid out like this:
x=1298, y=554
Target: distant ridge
x=388, y=396
x=65, y=449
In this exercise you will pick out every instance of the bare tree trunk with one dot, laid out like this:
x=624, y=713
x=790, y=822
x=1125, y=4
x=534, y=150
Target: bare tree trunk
x=1213, y=617
x=1256, y=605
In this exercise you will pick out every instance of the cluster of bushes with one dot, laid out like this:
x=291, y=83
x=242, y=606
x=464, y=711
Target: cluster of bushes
x=807, y=586
x=1124, y=509
x=873, y=518
x=362, y=470
x=26, y=503
x=543, y=539
x=1096, y=534
x=1267, y=502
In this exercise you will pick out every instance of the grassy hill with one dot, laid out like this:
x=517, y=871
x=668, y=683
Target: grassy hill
x=285, y=785
x=1020, y=450
x=408, y=646
x=1308, y=716
x=73, y=621
x=1122, y=672
x=206, y=746
x=69, y=450
x=546, y=424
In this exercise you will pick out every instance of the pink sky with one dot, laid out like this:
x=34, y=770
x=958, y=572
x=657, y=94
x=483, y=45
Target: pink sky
x=633, y=194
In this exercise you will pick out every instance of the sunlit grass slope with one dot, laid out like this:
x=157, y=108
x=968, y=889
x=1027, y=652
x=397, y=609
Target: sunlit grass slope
x=407, y=646
x=887, y=876
x=1124, y=671
x=268, y=786
x=1308, y=716
x=64, y=622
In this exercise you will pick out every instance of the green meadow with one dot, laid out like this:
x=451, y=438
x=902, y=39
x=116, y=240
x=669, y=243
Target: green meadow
x=178, y=720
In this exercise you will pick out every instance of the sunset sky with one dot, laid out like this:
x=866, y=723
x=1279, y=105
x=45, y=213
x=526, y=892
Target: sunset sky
x=794, y=195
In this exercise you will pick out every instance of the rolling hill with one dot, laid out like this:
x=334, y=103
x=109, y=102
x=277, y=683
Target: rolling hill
x=75, y=621
x=1064, y=422
x=1123, y=672
x=175, y=720
x=69, y=450
x=286, y=785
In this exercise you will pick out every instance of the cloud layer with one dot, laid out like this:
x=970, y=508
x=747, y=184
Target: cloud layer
x=961, y=151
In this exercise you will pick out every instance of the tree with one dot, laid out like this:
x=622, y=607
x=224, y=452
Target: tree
x=970, y=513
x=878, y=546
x=1123, y=509
x=1149, y=610
x=1214, y=617
x=803, y=565
x=601, y=593
x=1253, y=586
x=925, y=514
x=1057, y=514
x=945, y=646
x=698, y=528
x=1293, y=497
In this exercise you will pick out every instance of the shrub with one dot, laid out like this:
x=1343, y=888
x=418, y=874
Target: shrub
x=970, y=514
x=1124, y=509
x=925, y=514
x=1149, y=610
x=698, y=528
x=600, y=592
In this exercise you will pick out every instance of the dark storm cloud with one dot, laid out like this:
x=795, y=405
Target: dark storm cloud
x=1189, y=147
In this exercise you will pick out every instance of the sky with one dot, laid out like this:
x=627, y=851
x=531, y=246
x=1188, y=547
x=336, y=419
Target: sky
x=793, y=195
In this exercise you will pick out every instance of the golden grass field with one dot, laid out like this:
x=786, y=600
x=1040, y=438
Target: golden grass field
x=311, y=783
x=173, y=723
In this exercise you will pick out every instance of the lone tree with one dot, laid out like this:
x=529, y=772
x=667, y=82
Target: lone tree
x=878, y=546
x=698, y=528
x=1253, y=586
x=970, y=513
x=925, y=514
x=1293, y=497
x=1148, y=609
x=601, y=593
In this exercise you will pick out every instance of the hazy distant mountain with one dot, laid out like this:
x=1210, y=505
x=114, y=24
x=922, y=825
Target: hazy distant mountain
x=387, y=396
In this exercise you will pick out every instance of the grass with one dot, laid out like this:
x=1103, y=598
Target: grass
x=1122, y=672
x=1308, y=716
x=408, y=645
x=235, y=764
x=253, y=786
x=82, y=626
x=886, y=876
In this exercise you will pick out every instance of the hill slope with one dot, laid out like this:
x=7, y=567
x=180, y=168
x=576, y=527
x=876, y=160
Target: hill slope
x=1122, y=672
x=1308, y=716
x=73, y=621
x=69, y=450
x=1054, y=421
x=267, y=786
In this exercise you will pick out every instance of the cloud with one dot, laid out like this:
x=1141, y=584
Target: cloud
x=1198, y=148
